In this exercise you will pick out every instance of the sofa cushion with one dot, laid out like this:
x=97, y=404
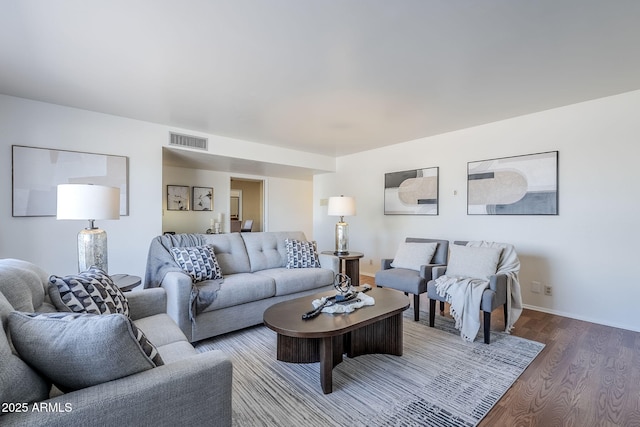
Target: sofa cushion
x=476, y=262
x=18, y=381
x=78, y=350
x=23, y=284
x=290, y=281
x=199, y=262
x=160, y=329
x=267, y=249
x=301, y=254
x=90, y=291
x=176, y=351
x=242, y=288
x=412, y=255
x=230, y=252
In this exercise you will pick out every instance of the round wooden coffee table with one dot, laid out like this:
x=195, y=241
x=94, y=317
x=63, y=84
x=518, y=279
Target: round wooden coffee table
x=325, y=338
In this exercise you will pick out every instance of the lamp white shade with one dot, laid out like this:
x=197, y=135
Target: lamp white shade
x=341, y=206
x=86, y=201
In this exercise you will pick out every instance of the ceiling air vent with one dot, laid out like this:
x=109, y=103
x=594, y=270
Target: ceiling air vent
x=188, y=141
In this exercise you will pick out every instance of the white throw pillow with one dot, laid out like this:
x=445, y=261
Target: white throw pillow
x=475, y=262
x=411, y=255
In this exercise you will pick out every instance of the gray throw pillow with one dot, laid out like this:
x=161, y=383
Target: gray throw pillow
x=81, y=350
x=199, y=262
x=301, y=254
x=90, y=291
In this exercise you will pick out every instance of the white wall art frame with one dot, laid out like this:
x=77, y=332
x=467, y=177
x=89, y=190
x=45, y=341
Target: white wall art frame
x=36, y=173
x=411, y=192
x=518, y=185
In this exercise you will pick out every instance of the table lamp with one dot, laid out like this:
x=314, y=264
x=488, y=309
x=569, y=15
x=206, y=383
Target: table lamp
x=89, y=202
x=342, y=206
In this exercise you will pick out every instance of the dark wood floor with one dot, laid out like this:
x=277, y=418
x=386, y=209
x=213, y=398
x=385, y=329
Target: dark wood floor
x=587, y=374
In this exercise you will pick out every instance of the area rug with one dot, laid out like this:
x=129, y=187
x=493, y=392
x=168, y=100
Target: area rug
x=440, y=380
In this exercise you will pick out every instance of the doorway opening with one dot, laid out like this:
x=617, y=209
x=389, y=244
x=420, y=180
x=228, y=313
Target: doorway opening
x=247, y=203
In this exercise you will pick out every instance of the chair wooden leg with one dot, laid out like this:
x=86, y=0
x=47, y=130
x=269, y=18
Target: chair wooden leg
x=432, y=312
x=441, y=308
x=487, y=327
x=506, y=316
x=416, y=307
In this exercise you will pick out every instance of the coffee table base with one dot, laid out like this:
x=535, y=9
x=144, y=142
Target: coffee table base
x=383, y=336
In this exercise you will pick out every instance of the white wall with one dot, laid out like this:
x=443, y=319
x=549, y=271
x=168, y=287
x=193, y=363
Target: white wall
x=289, y=202
x=587, y=253
x=195, y=221
x=52, y=244
x=290, y=205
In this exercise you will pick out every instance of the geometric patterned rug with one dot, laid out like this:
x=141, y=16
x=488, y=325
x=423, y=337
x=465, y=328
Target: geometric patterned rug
x=440, y=380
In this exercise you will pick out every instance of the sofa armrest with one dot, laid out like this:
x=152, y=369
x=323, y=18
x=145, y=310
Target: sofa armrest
x=330, y=262
x=194, y=391
x=438, y=271
x=498, y=283
x=385, y=263
x=178, y=288
x=147, y=302
x=426, y=271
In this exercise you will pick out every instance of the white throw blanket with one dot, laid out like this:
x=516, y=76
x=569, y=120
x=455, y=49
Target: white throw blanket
x=360, y=300
x=465, y=294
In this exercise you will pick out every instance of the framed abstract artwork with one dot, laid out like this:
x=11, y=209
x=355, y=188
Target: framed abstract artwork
x=519, y=185
x=202, y=199
x=177, y=198
x=411, y=192
x=38, y=171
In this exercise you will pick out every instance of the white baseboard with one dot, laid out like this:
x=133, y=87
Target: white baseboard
x=583, y=318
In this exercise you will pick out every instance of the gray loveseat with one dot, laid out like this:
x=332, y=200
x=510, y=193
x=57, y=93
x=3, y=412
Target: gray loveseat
x=188, y=389
x=254, y=278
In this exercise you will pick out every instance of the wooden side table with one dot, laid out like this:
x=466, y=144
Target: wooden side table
x=351, y=265
x=126, y=282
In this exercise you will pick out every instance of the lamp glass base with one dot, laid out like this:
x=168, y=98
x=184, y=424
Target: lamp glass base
x=342, y=238
x=92, y=249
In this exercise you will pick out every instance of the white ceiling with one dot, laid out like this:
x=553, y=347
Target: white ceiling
x=327, y=76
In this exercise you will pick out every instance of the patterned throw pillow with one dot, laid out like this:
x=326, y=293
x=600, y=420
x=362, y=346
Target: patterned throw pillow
x=91, y=291
x=199, y=262
x=76, y=350
x=301, y=254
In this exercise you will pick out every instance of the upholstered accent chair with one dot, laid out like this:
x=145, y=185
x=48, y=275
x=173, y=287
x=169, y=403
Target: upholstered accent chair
x=411, y=268
x=493, y=297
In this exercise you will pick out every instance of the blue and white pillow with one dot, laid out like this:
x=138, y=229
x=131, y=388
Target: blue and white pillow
x=301, y=254
x=199, y=262
x=90, y=291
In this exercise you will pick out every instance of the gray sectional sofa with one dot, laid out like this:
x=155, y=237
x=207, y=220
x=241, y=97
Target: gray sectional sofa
x=254, y=278
x=187, y=389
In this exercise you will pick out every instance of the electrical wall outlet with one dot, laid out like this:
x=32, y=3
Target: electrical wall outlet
x=370, y=261
x=548, y=290
x=536, y=287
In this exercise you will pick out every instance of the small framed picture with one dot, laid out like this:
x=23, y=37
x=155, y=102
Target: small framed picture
x=202, y=199
x=177, y=198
